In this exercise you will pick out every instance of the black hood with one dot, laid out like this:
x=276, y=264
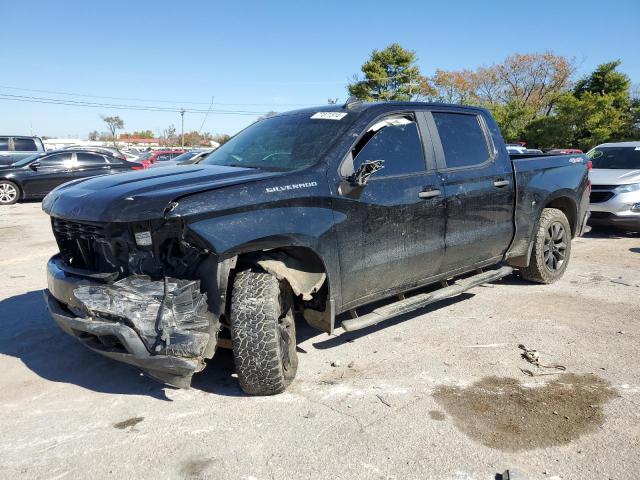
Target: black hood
x=140, y=195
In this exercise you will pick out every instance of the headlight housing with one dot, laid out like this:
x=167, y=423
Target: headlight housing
x=631, y=187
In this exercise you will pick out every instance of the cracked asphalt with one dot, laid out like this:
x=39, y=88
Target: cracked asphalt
x=412, y=398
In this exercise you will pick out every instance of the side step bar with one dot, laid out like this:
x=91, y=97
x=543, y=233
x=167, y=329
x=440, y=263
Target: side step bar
x=386, y=312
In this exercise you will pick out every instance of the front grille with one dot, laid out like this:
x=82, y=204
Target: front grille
x=599, y=197
x=75, y=230
x=84, y=245
x=604, y=187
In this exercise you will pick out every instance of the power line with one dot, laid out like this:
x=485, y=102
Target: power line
x=133, y=99
x=149, y=108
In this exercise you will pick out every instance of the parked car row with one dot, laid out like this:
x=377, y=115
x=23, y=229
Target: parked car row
x=27, y=171
x=36, y=175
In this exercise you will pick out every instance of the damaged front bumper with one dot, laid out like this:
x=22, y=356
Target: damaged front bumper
x=163, y=328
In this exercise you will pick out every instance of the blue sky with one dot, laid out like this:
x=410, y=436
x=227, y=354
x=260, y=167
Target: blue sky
x=262, y=56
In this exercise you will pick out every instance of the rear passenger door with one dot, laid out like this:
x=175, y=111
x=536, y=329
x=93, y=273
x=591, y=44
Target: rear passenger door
x=89, y=165
x=391, y=231
x=478, y=187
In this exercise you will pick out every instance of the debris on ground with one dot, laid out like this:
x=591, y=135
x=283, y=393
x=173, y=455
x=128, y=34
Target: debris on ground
x=383, y=400
x=336, y=363
x=533, y=357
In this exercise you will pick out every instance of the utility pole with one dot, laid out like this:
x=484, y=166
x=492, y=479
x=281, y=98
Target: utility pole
x=182, y=135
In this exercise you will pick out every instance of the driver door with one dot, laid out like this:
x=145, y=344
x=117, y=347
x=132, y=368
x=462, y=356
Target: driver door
x=392, y=235
x=49, y=172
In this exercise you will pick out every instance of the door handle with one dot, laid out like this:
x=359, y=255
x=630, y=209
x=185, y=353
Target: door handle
x=429, y=193
x=501, y=183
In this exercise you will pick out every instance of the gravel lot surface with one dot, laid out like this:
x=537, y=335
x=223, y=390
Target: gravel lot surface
x=436, y=394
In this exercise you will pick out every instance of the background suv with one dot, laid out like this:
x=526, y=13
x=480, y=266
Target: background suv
x=15, y=147
x=615, y=178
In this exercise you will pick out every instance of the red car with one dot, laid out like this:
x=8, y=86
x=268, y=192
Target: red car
x=154, y=156
x=564, y=151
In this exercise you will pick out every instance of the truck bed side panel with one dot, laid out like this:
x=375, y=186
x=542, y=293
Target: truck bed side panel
x=541, y=181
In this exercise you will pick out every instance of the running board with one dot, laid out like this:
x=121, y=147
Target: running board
x=386, y=312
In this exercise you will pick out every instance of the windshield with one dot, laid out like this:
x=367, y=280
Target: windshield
x=281, y=143
x=617, y=158
x=26, y=160
x=145, y=156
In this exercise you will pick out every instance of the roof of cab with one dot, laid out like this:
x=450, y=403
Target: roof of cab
x=360, y=107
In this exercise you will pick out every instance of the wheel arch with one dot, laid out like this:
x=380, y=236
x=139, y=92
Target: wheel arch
x=566, y=205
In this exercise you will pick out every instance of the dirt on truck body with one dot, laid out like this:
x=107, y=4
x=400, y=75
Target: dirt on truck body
x=318, y=211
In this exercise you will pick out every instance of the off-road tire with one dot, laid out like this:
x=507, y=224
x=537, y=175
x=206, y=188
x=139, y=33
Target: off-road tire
x=5, y=200
x=261, y=318
x=539, y=270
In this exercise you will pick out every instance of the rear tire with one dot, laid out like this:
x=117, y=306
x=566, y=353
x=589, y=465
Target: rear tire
x=9, y=192
x=263, y=333
x=551, y=248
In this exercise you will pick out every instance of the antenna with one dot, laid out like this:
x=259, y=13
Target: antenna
x=351, y=101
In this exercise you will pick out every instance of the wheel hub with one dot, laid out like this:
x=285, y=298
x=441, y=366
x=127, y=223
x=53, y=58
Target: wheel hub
x=7, y=193
x=555, y=246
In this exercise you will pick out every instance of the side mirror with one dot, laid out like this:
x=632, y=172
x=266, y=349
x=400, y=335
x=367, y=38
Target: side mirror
x=360, y=177
x=34, y=166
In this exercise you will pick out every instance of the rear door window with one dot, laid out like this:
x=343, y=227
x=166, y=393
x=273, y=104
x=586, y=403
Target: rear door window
x=396, y=140
x=24, y=145
x=463, y=139
x=90, y=160
x=57, y=160
x=4, y=144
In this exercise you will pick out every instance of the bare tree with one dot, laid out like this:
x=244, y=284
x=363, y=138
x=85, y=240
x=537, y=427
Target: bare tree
x=114, y=124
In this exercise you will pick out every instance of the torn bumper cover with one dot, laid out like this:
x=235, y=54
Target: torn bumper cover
x=161, y=327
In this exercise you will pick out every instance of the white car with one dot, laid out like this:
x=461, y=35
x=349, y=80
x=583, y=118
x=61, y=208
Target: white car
x=615, y=190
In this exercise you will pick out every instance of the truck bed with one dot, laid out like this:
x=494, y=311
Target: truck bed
x=538, y=180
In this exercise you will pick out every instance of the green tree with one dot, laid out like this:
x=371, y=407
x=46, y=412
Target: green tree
x=607, y=80
x=578, y=122
x=142, y=134
x=513, y=118
x=599, y=109
x=114, y=124
x=389, y=74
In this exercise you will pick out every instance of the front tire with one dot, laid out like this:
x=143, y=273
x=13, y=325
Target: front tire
x=9, y=192
x=551, y=248
x=263, y=333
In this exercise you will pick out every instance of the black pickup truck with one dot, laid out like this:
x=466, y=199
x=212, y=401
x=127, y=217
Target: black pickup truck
x=309, y=214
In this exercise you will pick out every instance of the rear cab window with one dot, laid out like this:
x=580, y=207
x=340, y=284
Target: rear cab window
x=4, y=144
x=463, y=139
x=24, y=145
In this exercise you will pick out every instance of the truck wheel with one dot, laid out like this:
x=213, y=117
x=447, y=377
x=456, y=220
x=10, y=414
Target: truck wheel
x=263, y=333
x=9, y=192
x=551, y=248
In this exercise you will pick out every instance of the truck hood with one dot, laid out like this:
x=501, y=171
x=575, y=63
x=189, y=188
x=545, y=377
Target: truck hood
x=140, y=195
x=606, y=176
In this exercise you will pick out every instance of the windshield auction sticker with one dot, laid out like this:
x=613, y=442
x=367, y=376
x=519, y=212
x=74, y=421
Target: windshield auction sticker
x=329, y=115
